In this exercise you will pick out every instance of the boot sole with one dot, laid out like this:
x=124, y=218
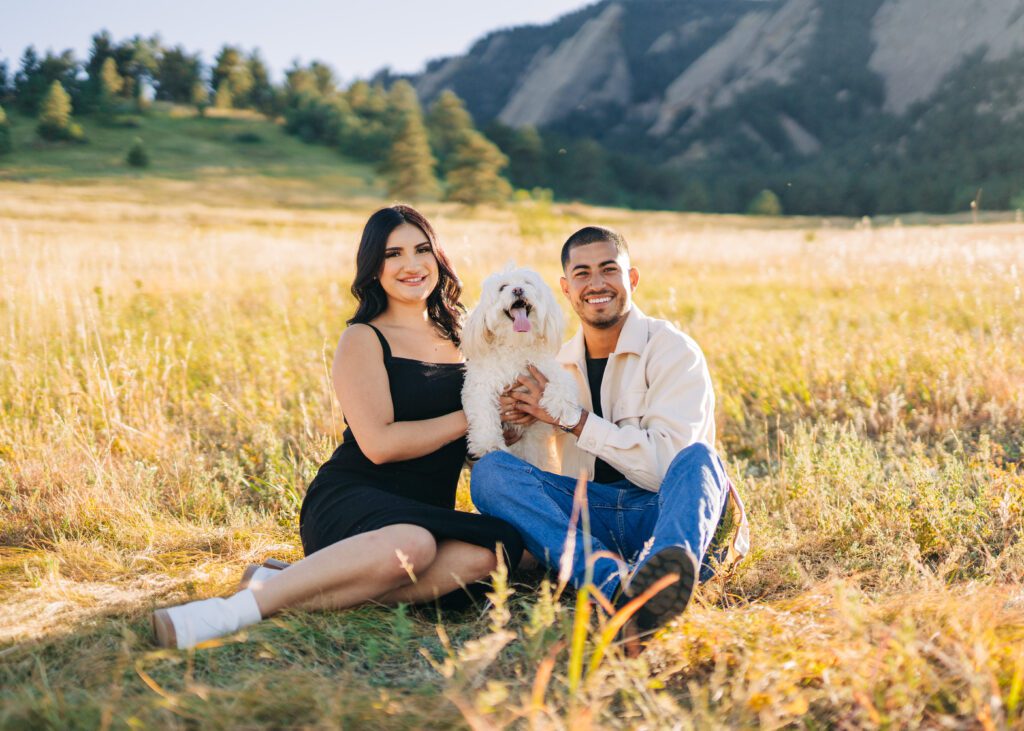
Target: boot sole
x=163, y=629
x=250, y=570
x=671, y=601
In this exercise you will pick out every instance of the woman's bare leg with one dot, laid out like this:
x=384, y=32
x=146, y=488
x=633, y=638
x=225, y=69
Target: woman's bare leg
x=456, y=564
x=351, y=571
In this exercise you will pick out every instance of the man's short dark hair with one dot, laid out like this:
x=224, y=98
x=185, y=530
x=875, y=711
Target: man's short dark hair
x=592, y=235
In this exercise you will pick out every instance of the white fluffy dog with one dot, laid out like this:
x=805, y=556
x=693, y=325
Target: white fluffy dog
x=516, y=324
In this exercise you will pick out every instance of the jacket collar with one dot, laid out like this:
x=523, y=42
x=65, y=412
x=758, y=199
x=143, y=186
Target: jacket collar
x=632, y=339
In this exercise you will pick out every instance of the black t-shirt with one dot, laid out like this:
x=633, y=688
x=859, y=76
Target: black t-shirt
x=603, y=472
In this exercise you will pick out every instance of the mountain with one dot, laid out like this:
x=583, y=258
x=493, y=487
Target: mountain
x=840, y=106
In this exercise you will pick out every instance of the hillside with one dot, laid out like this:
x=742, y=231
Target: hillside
x=829, y=103
x=224, y=148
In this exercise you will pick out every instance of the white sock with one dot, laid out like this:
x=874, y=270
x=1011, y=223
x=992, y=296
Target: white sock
x=244, y=605
x=208, y=619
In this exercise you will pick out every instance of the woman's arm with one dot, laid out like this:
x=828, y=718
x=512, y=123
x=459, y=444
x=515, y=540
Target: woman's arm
x=361, y=383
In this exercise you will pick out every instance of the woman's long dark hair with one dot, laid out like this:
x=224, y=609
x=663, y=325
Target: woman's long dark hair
x=443, y=305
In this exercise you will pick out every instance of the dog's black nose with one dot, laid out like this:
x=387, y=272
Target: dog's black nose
x=517, y=291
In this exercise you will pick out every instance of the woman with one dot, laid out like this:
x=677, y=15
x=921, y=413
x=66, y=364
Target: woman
x=377, y=522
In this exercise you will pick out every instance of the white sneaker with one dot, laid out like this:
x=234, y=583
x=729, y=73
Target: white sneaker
x=187, y=625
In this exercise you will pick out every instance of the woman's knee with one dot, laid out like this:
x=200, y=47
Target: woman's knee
x=413, y=548
x=480, y=562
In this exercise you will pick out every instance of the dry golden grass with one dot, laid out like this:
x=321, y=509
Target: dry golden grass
x=164, y=400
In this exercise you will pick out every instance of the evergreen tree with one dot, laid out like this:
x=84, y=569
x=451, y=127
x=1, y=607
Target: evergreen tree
x=474, y=173
x=33, y=80
x=177, y=74
x=110, y=85
x=55, y=121
x=261, y=93
x=402, y=102
x=200, y=97
x=580, y=170
x=137, y=156
x=765, y=203
x=323, y=74
x=694, y=197
x=447, y=123
x=231, y=72
x=102, y=49
x=138, y=62
x=6, y=83
x=29, y=86
x=526, y=158
x=410, y=166
x=223, y=98
x=373, y=135
x=5, y=133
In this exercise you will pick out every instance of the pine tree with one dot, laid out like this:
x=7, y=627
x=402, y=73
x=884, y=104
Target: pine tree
x=5, y=133
x=261, y=93
x=55, y=121
x=223, y=98
x=765, y=203
x=526, y=158
x=410, y=166
x=447, y=122
x=200, y=97
x=110, y=85
x=231, y=71
x=6, y=84
x=474, y=175
x=177, y=73
x=402, y=102
x=695, y=197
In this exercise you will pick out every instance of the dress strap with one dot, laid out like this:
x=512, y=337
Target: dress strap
x=383, y=342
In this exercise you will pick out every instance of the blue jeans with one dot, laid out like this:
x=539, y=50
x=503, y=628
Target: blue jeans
x=623, y=517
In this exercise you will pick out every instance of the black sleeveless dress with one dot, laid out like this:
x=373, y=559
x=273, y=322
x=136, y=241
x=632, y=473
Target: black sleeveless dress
x=352, y=495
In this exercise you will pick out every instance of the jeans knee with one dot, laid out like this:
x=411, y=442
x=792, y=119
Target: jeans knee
x=697, y=453
x=488, y=477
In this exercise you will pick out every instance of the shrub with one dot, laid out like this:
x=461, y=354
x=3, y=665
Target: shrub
x=765, y=203
x=125, y=121
x=248, y=138
x=137, y=156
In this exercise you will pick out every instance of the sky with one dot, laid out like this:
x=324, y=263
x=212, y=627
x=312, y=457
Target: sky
x=355, y=38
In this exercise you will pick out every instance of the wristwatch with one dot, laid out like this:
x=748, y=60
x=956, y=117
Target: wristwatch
x=572, y=422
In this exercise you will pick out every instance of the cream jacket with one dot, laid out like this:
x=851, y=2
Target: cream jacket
x=657, y=399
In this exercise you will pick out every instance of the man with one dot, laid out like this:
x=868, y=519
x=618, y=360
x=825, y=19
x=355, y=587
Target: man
x=657, y=496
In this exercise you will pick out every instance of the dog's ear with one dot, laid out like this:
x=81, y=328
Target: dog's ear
x=552, y=324
x=476, y=338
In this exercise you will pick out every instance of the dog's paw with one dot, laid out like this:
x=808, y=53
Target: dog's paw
x=560, y=399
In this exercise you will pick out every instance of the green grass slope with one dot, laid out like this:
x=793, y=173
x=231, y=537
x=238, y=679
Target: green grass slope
x=184, y=146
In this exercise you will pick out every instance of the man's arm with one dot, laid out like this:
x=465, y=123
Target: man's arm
x=679, y=410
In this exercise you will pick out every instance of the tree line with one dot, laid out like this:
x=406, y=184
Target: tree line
x=436, y=152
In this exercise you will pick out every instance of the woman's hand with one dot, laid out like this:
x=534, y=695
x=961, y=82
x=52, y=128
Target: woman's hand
x=509, y=409
x=510, y=433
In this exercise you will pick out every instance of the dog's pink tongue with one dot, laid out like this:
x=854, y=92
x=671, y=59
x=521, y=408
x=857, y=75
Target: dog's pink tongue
x=521, y=323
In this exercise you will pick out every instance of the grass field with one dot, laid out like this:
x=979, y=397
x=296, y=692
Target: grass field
x=164, y=347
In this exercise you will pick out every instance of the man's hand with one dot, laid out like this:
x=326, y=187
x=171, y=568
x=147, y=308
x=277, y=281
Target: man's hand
x=528, y=397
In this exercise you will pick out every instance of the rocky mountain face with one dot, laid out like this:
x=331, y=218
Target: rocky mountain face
x=758, y=87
